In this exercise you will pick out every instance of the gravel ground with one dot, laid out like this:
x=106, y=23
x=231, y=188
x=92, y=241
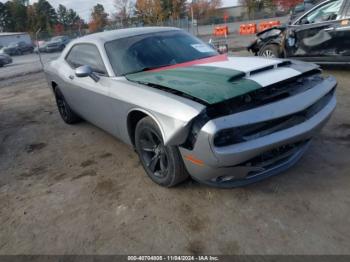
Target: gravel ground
x=77, y=190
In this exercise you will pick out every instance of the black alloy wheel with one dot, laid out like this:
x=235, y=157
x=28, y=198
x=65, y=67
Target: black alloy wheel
x=64, y=109
x=153, y=152
x=163, y=164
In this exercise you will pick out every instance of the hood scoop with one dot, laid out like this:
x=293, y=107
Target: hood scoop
x=270, y=67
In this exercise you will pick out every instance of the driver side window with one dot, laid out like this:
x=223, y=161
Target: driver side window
x=86, y=54
x=323, y=13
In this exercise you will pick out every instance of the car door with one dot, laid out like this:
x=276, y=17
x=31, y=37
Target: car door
x=314, y=36
x=23, y=47
x=89, y=98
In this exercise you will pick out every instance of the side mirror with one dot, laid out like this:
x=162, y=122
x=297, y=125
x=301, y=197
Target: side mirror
x=83, y=71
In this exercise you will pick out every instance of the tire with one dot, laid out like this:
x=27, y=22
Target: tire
x=64, y=109
x=270, y=51
x=163, y=164
x=19, y=52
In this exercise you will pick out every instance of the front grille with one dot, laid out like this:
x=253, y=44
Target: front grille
x=274, y=157
x=249, y=132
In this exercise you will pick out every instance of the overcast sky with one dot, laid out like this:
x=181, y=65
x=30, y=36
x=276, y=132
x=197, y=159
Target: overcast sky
x=83, y=7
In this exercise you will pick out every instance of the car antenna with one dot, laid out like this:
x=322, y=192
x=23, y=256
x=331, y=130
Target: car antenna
x=37, y=44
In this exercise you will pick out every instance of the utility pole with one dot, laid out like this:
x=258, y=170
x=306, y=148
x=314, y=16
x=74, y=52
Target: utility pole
x=192, y=17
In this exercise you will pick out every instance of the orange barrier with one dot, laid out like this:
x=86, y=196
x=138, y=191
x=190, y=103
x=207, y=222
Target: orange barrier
x=247, y=29
x=262, y=26
x=266, y=25
x=221, y=31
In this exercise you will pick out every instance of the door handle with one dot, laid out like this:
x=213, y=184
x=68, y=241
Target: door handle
x=71, y=77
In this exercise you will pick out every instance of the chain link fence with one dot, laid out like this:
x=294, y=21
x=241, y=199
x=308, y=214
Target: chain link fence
x=55, y=40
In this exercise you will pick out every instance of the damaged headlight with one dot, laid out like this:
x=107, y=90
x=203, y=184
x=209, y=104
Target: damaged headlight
x=227, y=137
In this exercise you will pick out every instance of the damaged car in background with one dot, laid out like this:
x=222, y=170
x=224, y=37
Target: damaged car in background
x=321, y=35
x=189, y=111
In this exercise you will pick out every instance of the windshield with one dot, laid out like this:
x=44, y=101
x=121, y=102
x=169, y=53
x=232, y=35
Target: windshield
x=325, y=12
x=147, y=51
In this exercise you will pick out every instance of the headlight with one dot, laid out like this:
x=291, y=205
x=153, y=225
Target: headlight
x=227, y=137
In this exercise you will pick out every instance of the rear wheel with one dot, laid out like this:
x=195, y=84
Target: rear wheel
x=270, y=51
x=163, y=164
x=64, y=109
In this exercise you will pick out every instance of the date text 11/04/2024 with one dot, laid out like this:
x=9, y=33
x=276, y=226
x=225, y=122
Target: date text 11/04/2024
x=173, y=258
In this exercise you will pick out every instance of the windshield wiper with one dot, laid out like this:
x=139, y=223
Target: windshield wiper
x=138, y=71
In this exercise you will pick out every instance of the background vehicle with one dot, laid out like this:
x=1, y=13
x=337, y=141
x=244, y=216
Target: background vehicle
x=18, y=48
x=57, y=43
x=40, y=46
x=301, y=8
x=321, y=35
x=187, y=109
x=268, y=42
x=5, y=59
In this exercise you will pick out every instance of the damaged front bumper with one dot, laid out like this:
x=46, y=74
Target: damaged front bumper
x=270, y=149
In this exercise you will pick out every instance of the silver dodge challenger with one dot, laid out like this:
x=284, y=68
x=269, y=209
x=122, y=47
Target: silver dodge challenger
x=189, y=111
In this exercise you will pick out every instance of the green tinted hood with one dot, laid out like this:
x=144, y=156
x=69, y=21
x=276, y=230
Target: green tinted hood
x=206, y=83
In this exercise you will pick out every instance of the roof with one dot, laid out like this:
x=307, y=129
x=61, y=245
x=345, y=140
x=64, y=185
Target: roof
x=12, y=33
x=122, y=33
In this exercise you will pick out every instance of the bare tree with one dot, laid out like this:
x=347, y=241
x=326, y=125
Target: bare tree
x=124, y=10
x=150, y=11
x=204, y=8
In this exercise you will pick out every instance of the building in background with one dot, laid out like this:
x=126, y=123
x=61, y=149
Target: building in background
x=7, y=38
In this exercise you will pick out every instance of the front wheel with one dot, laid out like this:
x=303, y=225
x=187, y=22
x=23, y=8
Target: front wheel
x=271, y=51
x=163, y=164
x=64, y=109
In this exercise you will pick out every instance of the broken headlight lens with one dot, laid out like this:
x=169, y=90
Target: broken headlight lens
x=227, y=137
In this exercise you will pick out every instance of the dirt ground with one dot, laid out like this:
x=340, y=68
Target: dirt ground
x=77, y=190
